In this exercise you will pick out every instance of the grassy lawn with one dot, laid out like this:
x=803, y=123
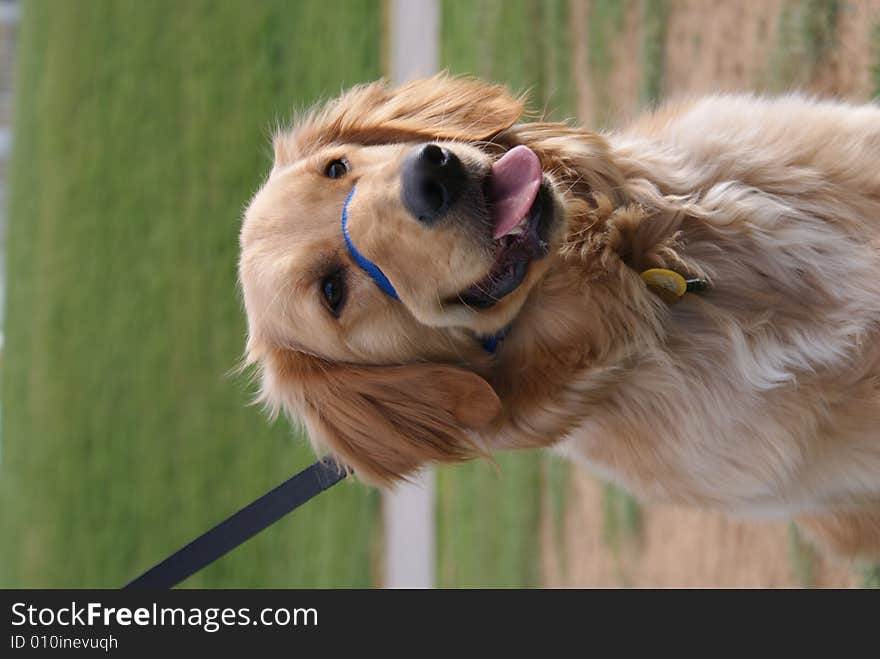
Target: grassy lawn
x=141, y=131
x=875, y=68
x=806, y=32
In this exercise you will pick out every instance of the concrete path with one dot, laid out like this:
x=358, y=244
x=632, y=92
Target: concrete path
x=408, y=512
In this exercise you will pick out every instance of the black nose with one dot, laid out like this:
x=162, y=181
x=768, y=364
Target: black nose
x=433, y=178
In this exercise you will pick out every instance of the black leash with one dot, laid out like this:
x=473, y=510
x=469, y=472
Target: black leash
x=241, y=526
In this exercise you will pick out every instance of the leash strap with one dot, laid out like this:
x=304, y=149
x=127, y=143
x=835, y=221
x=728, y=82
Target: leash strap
x=241, y=526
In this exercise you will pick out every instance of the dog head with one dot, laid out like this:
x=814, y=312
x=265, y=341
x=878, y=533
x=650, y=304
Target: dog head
x=396, y=229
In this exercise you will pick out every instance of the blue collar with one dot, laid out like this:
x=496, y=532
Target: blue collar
x=366, y=264
x=490, y=343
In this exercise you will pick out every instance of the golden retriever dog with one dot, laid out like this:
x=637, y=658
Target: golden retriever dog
x=689, y=307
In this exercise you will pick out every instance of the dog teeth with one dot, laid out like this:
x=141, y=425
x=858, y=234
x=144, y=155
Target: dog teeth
x=520, y=228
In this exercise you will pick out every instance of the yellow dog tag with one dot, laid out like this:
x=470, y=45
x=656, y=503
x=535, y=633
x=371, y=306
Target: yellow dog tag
x=668, y=284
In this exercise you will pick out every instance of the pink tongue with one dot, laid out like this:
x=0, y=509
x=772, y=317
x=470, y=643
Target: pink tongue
x=516, y=177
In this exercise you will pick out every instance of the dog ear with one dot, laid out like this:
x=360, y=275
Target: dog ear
x=440, y=107
x=385, y=422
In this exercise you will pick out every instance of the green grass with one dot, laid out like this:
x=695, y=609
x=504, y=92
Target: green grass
x=141, y=130
x=522, y=43
x=875, y=68
x=556, y=483
x=488, y=522
x=605, y=24
x=621, y=527
x=654, y=18
x=818, y=25
x=870, y=575
x=806, y=32
x=802, y=558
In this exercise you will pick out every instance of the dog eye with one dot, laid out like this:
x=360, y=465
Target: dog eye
x=333, y=290
x=336, y=168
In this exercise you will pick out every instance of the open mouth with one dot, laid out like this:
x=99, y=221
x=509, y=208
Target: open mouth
x=521, y=209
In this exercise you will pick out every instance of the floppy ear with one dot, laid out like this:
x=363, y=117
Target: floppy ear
x=440, y=107
x=385, y=422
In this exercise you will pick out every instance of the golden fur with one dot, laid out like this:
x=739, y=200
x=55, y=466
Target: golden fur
x=758, y=396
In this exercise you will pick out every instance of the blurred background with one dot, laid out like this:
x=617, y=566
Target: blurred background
x=131, y=135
